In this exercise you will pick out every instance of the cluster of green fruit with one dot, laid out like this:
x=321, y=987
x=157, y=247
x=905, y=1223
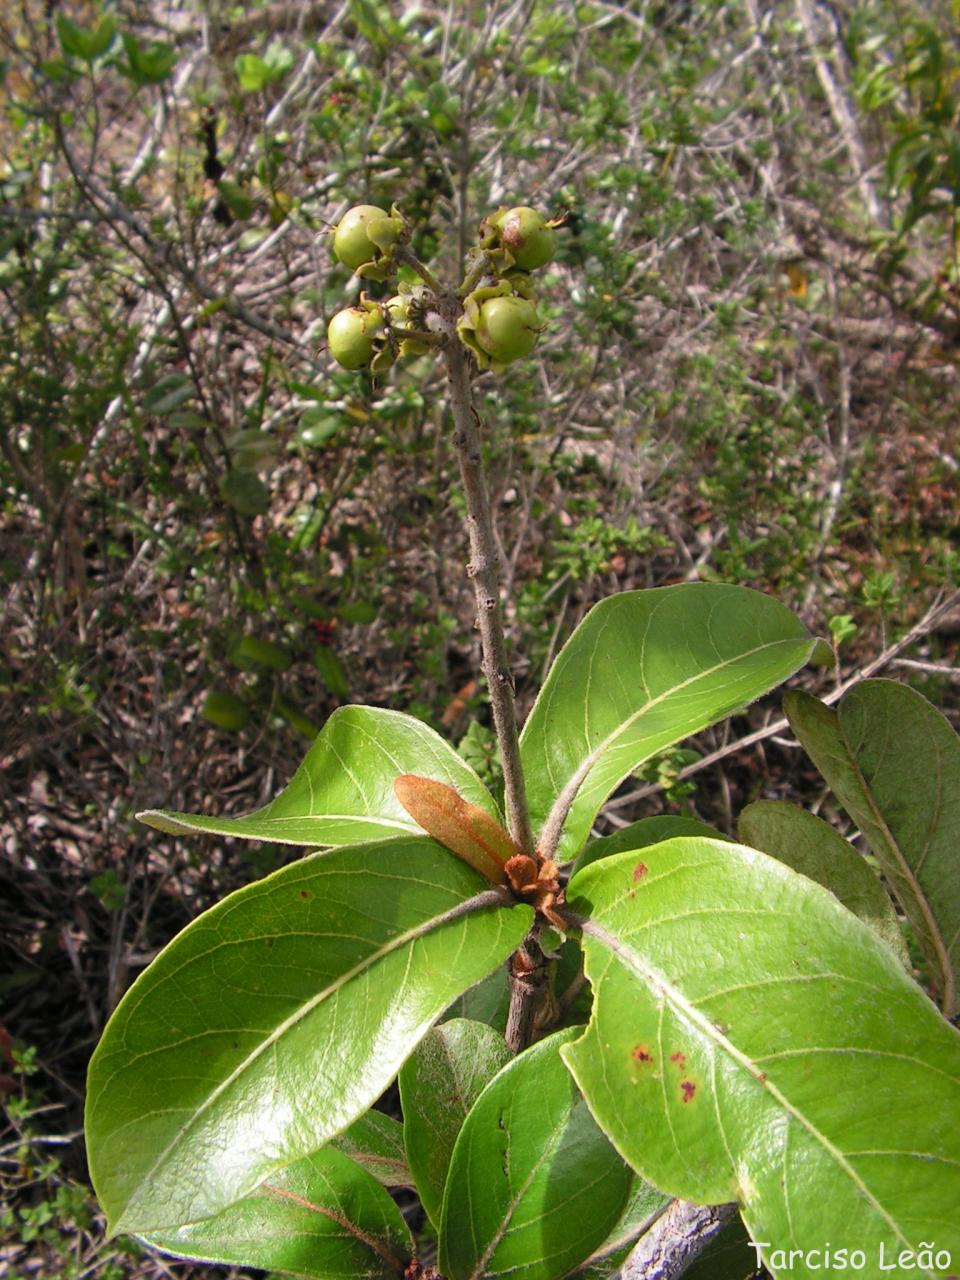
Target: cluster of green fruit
x=499, y=321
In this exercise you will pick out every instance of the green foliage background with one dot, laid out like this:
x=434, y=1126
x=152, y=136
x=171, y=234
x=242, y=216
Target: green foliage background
x=212, y=537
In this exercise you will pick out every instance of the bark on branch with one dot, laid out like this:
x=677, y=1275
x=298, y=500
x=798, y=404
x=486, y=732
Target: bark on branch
x=676, y=1240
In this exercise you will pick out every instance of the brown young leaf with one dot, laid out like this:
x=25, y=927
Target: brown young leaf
x=463, y=828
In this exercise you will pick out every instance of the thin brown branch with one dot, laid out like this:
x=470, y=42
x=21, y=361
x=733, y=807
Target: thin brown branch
x=484, y=572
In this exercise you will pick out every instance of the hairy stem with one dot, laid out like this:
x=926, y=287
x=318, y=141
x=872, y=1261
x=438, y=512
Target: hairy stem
x=529, y=988
x=676, y=1240
x=484, y=572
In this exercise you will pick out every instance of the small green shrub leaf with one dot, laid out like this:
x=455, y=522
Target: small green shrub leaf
x=147, y=63
x=534, y=1186
x=812, y=847
x=321, y=1217
x=439, y=1084
x=343, y=792
x=168, y=393
x=236, y=199
x=245, y=492
x=893, y=762
x=275, y=1020
x=85, y=43
x=644, y=670
x=752, y=1040
x=331, y=671
x=225, y=710
x=251, y=652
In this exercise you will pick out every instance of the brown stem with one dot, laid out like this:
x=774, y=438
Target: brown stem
x=484, y=571
x=676, y=1240
x=529, y=988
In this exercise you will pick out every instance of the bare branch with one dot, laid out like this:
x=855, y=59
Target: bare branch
x=676, y=1240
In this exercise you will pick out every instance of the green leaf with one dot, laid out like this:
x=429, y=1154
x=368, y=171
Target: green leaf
x=83, y=43
x=533, y=1186
x=343, y=792
x=331, y=671
x=375, y=1142
x=236, y=199
x=439, y=1084
x=644, y=670
x=147, y=64
x=253, y=73
x=321, y=1217
x=644, y=1205
x=812, y=847
x=893, y=762
x=168, y=394
x=488, y=1001
x=245, y=492
x=752, y=1040
x=225, y=710
x=664, y=826
x=276, y=1019
x=358, y=611
x=251, y=652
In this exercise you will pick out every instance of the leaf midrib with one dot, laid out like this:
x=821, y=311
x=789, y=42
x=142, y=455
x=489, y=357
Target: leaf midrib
x=187, y=823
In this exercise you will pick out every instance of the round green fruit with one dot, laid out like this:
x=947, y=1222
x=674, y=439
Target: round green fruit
x=350, y=336
x=507, y=328
x=351, y=240
x=529, y=237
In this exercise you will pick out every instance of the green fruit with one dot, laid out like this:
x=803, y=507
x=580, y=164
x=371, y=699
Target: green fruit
x=528, y=236
x=507, y=328
x=350, y=336
x=351, y=240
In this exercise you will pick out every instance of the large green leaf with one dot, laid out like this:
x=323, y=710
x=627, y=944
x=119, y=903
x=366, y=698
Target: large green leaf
x=342, y=792
x=644, y=1205
x=644, y=670
x=533, y=1186
x=375, y=1142
x=274, y=1020
x=812, y=847
x=893, y=762
x=439, y=1083
x=662, y=826
x=322, y=1217
x=751, y=1039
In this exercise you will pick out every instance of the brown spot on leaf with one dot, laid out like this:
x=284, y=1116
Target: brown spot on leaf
x=639, y=871
x=306, y=895
x=762, y=1077
x=688, y=1089
x=641, y=1053
x=679, y=1058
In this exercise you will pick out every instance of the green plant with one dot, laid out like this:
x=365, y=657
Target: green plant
x=752, y=1035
